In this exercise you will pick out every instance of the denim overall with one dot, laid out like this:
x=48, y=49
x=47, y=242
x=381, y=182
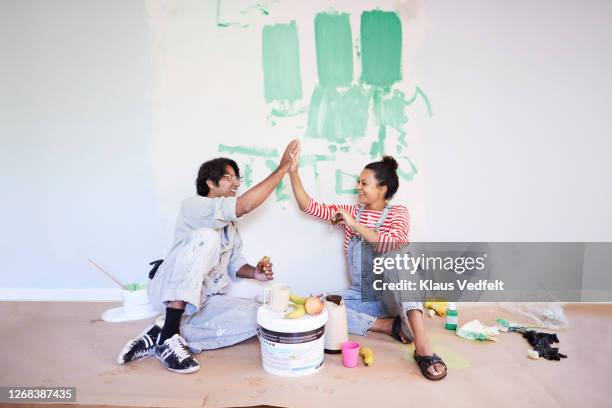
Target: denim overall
x=361, y=314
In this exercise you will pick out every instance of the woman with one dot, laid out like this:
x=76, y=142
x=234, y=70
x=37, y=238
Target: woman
x=373, y=225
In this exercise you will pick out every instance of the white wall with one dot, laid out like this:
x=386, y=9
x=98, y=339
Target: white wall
x=519, y=145
x=75, y=122
x=107, y=109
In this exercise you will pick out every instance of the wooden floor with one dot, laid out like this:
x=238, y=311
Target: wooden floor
x=55, y=343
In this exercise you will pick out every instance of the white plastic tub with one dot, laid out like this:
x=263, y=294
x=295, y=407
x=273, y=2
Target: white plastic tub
x=291, y=347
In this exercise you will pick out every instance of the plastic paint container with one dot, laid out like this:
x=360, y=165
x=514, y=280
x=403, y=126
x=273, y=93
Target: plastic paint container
x=291, y=347
x=452, y=317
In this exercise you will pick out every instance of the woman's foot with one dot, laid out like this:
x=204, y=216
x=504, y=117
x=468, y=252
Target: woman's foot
x=437, y=370
x=427, y=362
x=385, y=325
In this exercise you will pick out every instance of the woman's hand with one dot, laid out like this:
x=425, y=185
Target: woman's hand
x=287, y=160
x=347, y=219
x=295, y=158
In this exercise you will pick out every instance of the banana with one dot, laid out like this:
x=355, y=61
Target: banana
x=298, y=300
x=298, y=311
x=368, y=355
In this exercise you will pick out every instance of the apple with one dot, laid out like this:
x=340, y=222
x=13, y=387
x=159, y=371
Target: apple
x=314, y=305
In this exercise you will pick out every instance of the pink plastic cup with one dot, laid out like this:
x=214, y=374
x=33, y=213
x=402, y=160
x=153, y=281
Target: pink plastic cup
x=350, y=353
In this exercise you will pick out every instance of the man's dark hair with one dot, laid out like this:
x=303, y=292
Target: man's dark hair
x=213, y=170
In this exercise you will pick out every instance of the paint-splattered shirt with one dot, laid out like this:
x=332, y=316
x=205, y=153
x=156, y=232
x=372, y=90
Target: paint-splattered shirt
x=219, y=214
x=392, y=235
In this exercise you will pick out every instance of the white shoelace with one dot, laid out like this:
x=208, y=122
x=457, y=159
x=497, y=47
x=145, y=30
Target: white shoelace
x=178, y=347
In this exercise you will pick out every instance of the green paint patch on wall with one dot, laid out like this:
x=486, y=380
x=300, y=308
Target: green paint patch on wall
x=338, y=116
x=251, y=151
x=343, y=180
x=418, y=92
x=381, y=48
x=334, y=42
x=312, y=159
x=377, y=150
x=248, y=175
x=390, y=109
x=281, y=63
x=407, y=173
x=279, y=191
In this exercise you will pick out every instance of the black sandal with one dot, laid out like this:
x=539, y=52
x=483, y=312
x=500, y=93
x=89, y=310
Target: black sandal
x=396, y=331
x=424, y=362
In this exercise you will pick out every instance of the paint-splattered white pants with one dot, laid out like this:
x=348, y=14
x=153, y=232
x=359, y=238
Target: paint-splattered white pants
x=223, y=321
x=195, y=271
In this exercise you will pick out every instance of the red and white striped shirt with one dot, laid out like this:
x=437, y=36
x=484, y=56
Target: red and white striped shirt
x=392, y=234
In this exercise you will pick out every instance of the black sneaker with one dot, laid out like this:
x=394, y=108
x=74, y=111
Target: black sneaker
x=175, y=355
x=141, y=346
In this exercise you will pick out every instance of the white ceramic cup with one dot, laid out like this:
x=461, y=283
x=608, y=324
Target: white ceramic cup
x=277, y=297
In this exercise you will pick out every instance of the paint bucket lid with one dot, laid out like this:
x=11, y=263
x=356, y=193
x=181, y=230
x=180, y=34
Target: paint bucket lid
x=275, y=321
x=128, y=314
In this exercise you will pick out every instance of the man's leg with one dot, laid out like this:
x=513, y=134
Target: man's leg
x=223, y=321
x=177, y=287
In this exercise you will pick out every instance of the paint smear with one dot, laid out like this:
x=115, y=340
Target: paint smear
x=342, y=182
x=381, y=48
x=337, y=116
x=419, y=93
x=281, y=62
x=248, y=175
x=406, y=172
x=334, y=45
x=452, y=359
x=279, y=191
x=240, y=13
x=312, y=159
x=251, y=151
x=377, y=150
x=390, y=110
x=287, y=111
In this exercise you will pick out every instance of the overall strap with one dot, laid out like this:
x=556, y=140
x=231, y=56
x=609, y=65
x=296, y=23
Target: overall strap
x=359, y=211
x=383, y=216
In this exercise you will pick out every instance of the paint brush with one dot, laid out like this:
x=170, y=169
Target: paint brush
x=108, y=274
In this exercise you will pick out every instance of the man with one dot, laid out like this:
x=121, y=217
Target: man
x=189, y=286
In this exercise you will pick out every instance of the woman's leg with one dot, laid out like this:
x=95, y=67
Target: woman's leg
x=409, y=306
x=362, y=316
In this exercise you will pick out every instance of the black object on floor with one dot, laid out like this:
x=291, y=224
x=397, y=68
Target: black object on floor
x=541, y=342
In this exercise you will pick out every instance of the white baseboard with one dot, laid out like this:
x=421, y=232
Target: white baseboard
x=63, y=295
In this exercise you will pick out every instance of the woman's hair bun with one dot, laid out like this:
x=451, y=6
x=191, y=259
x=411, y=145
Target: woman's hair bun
x=390, y=161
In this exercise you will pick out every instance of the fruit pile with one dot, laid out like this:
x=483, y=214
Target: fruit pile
x=311, y=305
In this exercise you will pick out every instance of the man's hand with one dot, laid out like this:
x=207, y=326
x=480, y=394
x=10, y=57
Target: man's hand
x=263, y=272
x=287, y=159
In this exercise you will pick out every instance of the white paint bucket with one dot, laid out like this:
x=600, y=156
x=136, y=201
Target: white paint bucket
x=291, y=347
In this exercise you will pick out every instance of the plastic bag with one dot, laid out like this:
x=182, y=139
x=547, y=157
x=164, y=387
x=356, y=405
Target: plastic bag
x=474, y=330
x=547, y=315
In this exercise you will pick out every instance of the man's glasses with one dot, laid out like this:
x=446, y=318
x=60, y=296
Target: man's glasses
x=231, y=178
